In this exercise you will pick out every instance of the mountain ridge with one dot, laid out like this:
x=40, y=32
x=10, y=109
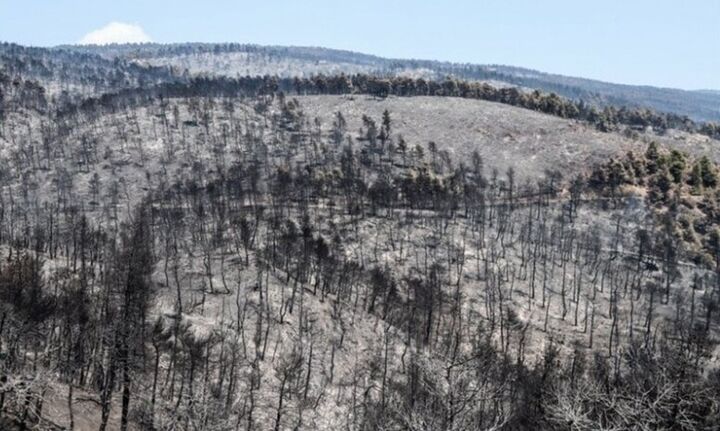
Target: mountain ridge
x=703, y=105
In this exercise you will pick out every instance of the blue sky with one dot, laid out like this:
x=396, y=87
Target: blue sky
x=661, y=42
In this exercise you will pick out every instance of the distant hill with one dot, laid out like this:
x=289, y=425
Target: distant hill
x=67, y=73
x=244, y=59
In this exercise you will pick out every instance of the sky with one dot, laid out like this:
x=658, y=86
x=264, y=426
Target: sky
x=667, y=43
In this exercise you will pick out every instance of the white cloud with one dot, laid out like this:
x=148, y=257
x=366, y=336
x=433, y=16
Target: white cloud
x=116, y=32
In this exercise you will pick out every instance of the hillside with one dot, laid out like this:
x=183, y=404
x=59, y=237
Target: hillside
x=66, y=74
x=237, y=59
x=503, y=135
x=224, y=255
